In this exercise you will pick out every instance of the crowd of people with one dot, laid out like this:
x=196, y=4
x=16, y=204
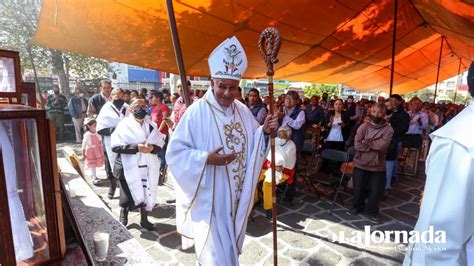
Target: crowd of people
x=385, y=125
x=225, y=132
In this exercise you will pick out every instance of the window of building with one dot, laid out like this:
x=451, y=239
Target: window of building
x=450, y=84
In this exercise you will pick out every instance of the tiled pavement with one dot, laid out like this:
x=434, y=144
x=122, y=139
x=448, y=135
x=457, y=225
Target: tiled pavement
x=305, y=230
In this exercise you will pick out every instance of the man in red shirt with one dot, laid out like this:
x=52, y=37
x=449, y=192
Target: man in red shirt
x=159, y=111
x=180, y=106
x=159, y=114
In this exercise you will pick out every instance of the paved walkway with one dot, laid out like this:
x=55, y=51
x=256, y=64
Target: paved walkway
x=306, y=231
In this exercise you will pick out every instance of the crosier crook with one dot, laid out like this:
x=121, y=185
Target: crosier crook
x=269, y=45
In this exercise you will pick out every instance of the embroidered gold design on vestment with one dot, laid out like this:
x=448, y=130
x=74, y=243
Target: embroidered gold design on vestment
x=236, y=142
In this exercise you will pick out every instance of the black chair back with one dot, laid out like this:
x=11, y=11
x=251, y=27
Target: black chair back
x=335, y=155
x=351, y=152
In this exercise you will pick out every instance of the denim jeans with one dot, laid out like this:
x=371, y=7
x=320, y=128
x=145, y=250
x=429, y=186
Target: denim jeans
x=161, y=154
x=392, y=167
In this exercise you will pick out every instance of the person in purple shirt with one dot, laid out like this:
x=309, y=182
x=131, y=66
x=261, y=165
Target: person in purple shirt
x=418, y=123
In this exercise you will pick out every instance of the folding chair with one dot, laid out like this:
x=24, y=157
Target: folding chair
x=328, y=179
x=351, y=152
x=312, y=149
x=408, y=162
x=349, y=168
x=308, y=149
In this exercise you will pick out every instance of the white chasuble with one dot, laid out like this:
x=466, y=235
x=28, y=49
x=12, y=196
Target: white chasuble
x=448, y=198
x=213, y=202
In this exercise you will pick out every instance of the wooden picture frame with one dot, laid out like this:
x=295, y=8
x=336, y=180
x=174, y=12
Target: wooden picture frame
x=10, y=76
x=50, y=185
x=28, y=94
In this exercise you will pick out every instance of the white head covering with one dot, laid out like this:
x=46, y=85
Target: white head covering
x=88, y=120
x=228, y=60
x=286, y=129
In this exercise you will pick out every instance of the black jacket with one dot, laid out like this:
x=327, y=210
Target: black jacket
x=97, y=101
x=400, y=121
x=345, y=119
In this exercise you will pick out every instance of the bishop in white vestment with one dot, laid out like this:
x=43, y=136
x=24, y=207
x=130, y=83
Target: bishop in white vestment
x=216, y=155
x=448, y=198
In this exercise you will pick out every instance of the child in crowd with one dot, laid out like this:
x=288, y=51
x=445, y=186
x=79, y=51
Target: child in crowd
x=92, y=148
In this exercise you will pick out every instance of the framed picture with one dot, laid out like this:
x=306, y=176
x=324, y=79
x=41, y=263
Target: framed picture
x=28, y=94
x=10, y=76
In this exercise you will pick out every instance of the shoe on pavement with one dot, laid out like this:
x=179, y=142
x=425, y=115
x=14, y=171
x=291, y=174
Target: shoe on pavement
x=374, y=219
x=353, y=211
x=113, y=186
x=123, y=216
x=110, y=193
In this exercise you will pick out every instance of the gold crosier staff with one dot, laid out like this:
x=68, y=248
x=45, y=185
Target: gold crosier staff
x=269, y=46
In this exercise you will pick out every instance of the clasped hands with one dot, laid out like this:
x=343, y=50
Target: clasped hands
x=145, y=148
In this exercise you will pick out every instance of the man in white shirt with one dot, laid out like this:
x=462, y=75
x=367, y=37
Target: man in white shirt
x=109, y=116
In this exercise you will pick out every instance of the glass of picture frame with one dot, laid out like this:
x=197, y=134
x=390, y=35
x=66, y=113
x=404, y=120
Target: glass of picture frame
x=10, y=75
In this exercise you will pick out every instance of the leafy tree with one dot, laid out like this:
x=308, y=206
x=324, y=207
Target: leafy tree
x=18, y=23
x=319, y=89
x=426, y=95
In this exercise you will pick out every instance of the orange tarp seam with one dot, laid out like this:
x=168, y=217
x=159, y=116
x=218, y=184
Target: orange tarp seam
x=323, y=41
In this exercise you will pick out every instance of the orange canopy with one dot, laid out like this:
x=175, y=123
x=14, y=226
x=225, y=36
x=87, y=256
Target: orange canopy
x=323, y=41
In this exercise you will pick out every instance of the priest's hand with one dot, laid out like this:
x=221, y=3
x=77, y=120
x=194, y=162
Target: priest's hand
x=145, y=148
x=215, y=158
x=271, y=123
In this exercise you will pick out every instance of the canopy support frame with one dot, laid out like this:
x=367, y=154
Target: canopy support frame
x=394, y=42
x=177, y=51
x=439, y=67
x=457, y=85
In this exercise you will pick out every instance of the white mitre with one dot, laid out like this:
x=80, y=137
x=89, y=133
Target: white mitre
x=228, y=60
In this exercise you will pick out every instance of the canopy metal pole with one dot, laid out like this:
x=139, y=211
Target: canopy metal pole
x=177, y=51
x=394, y=41
x=439, y=67
x=457, y=83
